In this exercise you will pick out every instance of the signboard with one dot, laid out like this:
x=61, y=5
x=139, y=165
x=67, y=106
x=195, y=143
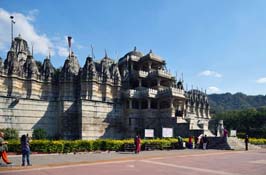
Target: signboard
x=149, y=132
x=233, y=133
x=167, y=132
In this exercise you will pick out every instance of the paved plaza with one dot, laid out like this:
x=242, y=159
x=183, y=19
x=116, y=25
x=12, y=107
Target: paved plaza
x=178, y=162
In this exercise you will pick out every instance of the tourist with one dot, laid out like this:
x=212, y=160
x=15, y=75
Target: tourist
x=246, y=142
x=190, y=144
x=137, y=143
x=225, y=133
x=3, y=148
x=25, y=150
x=205, y=142
x=180, y=142
x=199, y=141
x=195, y=142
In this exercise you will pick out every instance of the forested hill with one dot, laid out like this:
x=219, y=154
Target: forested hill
x=227, y=102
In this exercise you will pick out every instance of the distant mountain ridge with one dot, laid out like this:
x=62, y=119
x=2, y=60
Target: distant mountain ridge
x=227, y=102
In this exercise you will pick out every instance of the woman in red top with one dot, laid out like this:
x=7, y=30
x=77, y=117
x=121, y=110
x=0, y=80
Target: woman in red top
x=137, y=144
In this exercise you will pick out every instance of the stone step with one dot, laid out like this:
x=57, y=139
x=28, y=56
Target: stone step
x=230, y=143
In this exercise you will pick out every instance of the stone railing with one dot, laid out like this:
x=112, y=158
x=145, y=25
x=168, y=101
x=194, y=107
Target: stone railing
x=148, y=93
x=132, y=93
x=172, y=92
x=142, y=74
x=160, y=73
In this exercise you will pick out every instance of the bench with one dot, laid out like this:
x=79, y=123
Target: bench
x=129, y=147
x=149, y=147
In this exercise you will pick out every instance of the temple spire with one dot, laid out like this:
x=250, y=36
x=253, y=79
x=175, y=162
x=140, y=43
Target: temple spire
x=92, y=53
x=49, y=53
x=105, y=52
x=32, y=49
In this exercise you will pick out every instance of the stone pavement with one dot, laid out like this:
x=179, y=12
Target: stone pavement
x=176, y=162
x=54, y=159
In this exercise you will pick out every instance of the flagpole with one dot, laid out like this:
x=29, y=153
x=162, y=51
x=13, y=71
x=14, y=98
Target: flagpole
x=69, y=44
x=12, y=22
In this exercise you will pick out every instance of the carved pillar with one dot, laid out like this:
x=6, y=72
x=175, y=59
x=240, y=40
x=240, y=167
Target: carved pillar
x=172, y=107
x=159, y=82
x=130, y=104
x=140, y=82
x=149, y=64
x=158, y=104
x=172, y=103
x=131, y=67
x=184, y=110
x=149, y=103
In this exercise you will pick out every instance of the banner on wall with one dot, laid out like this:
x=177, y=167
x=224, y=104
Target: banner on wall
x=233, y=133
x=149, y=133
x=167, y=132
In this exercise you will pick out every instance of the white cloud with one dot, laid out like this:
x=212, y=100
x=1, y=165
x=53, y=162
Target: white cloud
x=210, y=73
x=261, y=80
x=61, y=45
x=62, y=51
x=24, y=27
x=212, y=89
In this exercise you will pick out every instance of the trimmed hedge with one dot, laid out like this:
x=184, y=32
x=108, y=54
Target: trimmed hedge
x=64, y=146
x=257, y=141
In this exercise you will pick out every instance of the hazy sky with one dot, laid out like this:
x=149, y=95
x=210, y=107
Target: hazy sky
x=219, y=46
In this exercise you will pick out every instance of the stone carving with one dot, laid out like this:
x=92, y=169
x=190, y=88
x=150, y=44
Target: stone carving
x=47, y=69
x=220, y=129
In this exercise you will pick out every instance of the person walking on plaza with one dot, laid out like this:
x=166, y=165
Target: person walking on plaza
x=205, y=142
x=137, y=142
x=4, y=148
x=246, y=142
x=25, y=150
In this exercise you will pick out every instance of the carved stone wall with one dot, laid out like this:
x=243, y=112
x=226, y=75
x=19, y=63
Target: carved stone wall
x=28, y=114
x=100, y=120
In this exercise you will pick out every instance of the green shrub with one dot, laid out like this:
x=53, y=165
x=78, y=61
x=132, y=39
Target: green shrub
x=256, y=141
x=66, y=146
x=14, y=146
x=55, y=146
x=82, y=145
x=10, y=133
x=39, y=134
x=40, y=146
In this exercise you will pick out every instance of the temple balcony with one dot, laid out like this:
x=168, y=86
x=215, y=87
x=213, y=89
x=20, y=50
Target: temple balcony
x=160, y=73
x=142, y=74
x=145, y=93
x=171, y=92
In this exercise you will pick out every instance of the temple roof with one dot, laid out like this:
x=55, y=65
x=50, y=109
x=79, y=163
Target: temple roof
x=20, y=45
x=152, y=56
x=134, y=53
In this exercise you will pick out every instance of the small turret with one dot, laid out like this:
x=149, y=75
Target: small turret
x=47, y=69
x=71, y=67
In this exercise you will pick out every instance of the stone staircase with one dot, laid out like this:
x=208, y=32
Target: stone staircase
x=232, y=143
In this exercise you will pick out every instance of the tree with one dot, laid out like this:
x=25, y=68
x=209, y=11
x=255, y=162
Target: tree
x=39, y=134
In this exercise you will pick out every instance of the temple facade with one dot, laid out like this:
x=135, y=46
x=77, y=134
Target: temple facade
x=102, y=99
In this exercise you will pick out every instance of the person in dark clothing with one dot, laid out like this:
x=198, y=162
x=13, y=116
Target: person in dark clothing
x=246, y=142
x=25, y=150
x=180, y=142
x=205, y=142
